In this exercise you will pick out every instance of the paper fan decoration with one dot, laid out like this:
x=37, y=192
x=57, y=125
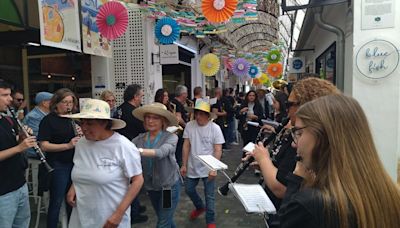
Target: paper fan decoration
x=275, y=69
x=264, y=79
x=167, y=30
x=112, y=20
x=254, y=72
x=209, y=64
x=217, y=11
x=274, y=56
x=256, y=81
x=241, y=67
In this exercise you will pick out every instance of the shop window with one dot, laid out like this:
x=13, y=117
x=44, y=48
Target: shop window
x=326, y=64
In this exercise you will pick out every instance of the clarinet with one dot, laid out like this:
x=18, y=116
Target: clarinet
x=243, y=166
x=73, y=124
x=36, y=147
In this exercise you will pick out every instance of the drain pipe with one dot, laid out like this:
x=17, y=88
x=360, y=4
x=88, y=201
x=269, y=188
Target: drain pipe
x=339, y=47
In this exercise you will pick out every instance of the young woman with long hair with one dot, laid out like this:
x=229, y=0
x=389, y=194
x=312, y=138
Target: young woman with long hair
x=340, y=180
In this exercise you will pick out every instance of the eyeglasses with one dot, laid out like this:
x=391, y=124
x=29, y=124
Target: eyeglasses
x=291, y=104
x=296, y=133
x=67, y=102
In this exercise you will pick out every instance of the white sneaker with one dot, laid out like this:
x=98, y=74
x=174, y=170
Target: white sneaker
x=234, y=143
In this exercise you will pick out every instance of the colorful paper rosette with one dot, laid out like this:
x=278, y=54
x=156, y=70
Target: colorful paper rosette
x=264, y=79
x=274, y=56
x=167, y=30
x=254, y=72
x=256, y=81
x=209, y=64
x=275, y=70
x=241, y=67
x=112, y=20
x=217, y=11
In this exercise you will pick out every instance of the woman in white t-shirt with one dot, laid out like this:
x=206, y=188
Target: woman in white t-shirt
x=104, y=164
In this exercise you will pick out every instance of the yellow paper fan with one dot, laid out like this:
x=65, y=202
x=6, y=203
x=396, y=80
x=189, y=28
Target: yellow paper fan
x=218, y=10
x=209, y=64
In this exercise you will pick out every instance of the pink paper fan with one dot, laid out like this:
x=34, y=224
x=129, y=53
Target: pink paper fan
x=112, y=20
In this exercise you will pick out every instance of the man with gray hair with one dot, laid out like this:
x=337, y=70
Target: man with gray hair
x=181, y=94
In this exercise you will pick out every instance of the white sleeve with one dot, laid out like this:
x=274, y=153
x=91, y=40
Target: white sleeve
x=186, y=132
x=131, y=162
x=218, y=136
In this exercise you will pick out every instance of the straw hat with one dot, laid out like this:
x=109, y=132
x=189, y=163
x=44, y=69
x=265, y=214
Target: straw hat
x=157, y=109
x=97, y=109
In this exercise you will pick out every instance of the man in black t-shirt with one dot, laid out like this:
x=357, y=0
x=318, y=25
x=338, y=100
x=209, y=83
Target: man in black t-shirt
x=133, y=98
x=14, y=200
x=181, y=94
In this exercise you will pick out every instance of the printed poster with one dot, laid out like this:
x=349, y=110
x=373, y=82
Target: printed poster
x=59, y=24
x=93, y=42
x=377, y=14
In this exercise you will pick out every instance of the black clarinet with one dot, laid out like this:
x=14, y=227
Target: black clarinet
x=243, y=166
x=36, y=147
x=73, y=124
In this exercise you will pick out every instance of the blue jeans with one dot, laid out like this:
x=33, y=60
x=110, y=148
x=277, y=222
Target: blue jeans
x=60, y=182
x=14, y=209
x=165, y=215
x=230, y=132
x=209, y=192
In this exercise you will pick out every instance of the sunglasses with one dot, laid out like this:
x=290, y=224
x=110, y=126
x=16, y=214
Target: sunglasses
x=21, y=99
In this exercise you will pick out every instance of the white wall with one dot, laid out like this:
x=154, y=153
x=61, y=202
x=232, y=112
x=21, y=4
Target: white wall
x=101, y=68
x=380, y=100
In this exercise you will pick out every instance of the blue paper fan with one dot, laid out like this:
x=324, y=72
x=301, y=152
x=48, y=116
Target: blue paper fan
x=167, y=30
x=254, y=71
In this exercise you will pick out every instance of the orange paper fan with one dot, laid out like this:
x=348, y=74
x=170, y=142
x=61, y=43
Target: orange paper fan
x=218, y=10
x=275, y=69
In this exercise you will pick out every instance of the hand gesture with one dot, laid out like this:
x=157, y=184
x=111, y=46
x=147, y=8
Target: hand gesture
x=73, y=141
x=183, y=171
x=268, y=128
x=71, y=197
x=113, y=221
x=212, y=174
x=27, y=143
x=245, y=109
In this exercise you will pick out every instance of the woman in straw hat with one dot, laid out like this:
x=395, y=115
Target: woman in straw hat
x=104, y=164
x=161, y=171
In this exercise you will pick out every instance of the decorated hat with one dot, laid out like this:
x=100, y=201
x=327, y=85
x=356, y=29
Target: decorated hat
x=203, y=105
x=97, y=109
x=157, y=109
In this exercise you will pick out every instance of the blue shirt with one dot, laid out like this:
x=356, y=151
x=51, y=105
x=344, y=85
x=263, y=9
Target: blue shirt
x=32, y=120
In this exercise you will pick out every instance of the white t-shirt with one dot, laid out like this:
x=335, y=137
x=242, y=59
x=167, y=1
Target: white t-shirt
x=202, y=140
x=101, y=175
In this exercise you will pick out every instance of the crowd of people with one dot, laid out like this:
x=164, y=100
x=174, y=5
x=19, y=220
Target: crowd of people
x=315, y=171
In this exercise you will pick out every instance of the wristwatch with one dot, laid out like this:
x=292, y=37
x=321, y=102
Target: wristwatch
x=140, y=150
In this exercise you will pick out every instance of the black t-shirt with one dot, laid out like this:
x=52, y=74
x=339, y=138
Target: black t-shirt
x=57, y=130
x=133, y=125
x=12, y=169
x=181, y=109
x=283, y=156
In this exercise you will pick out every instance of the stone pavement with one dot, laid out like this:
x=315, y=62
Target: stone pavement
x=229, y=211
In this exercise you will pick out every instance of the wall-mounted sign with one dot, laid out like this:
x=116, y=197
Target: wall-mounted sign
x=297, y=65
x=377, y=59
x=377, y=14
x=169, y=54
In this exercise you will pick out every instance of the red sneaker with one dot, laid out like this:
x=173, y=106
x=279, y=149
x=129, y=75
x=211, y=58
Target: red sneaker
x=196, y=213
x=211, y=225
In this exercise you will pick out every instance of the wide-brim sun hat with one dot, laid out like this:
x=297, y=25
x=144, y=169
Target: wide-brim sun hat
x=97, y=109
x=157, y=109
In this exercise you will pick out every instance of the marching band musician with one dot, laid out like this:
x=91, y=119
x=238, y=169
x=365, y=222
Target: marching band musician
x=58, y=138
x=280, y=161
x=163, y=98
x=14, y=199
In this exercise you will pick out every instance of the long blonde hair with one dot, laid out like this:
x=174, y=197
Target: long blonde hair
x=348, y=170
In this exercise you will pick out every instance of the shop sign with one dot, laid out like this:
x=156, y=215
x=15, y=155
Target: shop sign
x=297, y=65
x=377, y=59
x=169, y=54
x=377, y=14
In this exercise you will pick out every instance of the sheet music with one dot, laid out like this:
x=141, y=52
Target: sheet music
x=270, y=122
x=253, y=198
x=211, y=162
x=254, y=124
x=172, y=129
x=249, y=147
